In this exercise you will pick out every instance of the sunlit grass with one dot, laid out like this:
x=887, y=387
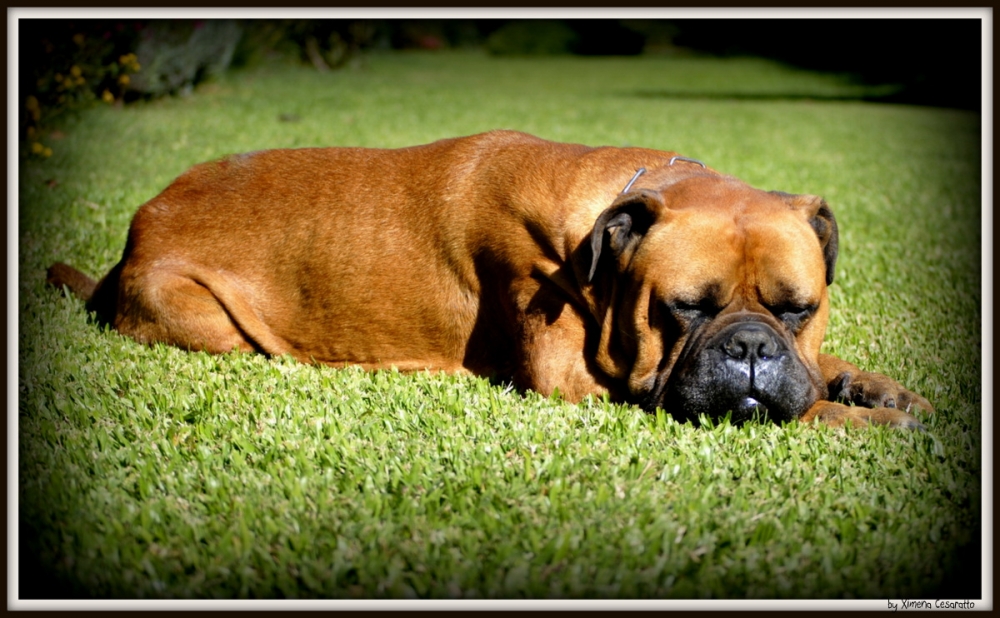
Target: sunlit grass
x=152, y=472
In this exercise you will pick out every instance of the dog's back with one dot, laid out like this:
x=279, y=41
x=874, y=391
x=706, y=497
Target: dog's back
x=353, y=255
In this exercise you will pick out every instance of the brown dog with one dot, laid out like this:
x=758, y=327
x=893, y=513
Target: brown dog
x=625, y=271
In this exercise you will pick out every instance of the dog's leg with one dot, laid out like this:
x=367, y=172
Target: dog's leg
x=552, y=351
x=837, y=415
x=192, y=308
x=864, y=388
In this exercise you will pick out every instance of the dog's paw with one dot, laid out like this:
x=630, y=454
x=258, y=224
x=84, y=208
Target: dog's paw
x=837, y=415
x=874, y=390
x=892, y=417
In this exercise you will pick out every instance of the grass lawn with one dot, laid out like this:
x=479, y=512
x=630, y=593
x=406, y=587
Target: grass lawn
x=149, y=472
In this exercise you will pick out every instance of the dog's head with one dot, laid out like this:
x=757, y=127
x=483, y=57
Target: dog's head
x=712, y=296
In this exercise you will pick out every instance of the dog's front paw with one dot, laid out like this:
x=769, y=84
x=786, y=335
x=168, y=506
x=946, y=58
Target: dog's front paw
x=874, y=390
x=837, y=415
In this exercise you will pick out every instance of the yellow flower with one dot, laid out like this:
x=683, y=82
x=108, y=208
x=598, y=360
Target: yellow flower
x=108, y=97
x=123, y=80
x=75, y=71
x=59, y=77
x=80, y=81
x=78, y=39
x=129, y=60
x=33, y=108
x=47, y=152
x=37, y=148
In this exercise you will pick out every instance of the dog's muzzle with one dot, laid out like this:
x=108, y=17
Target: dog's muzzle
x=746, y=368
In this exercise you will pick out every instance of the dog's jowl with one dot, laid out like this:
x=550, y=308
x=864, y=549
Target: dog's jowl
x=637, y=273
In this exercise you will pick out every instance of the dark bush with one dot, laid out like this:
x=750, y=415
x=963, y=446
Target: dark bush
x=934, y=61
x=602, y=37
x=177, y=54
x=536, y=37
x=588, y=37
x=326, y=44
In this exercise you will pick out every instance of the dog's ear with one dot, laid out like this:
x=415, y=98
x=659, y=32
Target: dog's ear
x=821, y=219
x=622, y=225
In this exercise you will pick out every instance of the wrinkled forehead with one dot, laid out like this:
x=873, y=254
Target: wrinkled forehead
x=772, y=254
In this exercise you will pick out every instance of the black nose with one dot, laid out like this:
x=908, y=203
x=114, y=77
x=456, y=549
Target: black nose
x=751, y=342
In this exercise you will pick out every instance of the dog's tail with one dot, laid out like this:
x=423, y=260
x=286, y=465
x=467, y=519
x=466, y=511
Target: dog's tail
x=81, y=285
x=100, y=297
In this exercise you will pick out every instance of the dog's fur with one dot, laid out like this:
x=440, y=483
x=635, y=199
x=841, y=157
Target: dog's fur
x=506, y=255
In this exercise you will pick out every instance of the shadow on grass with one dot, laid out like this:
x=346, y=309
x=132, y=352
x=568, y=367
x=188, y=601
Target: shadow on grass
x=757, y=96
x=37, y=578
x=966, y=580
x=899, y=96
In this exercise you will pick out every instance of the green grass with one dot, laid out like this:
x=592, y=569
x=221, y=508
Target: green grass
x=149, y=472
